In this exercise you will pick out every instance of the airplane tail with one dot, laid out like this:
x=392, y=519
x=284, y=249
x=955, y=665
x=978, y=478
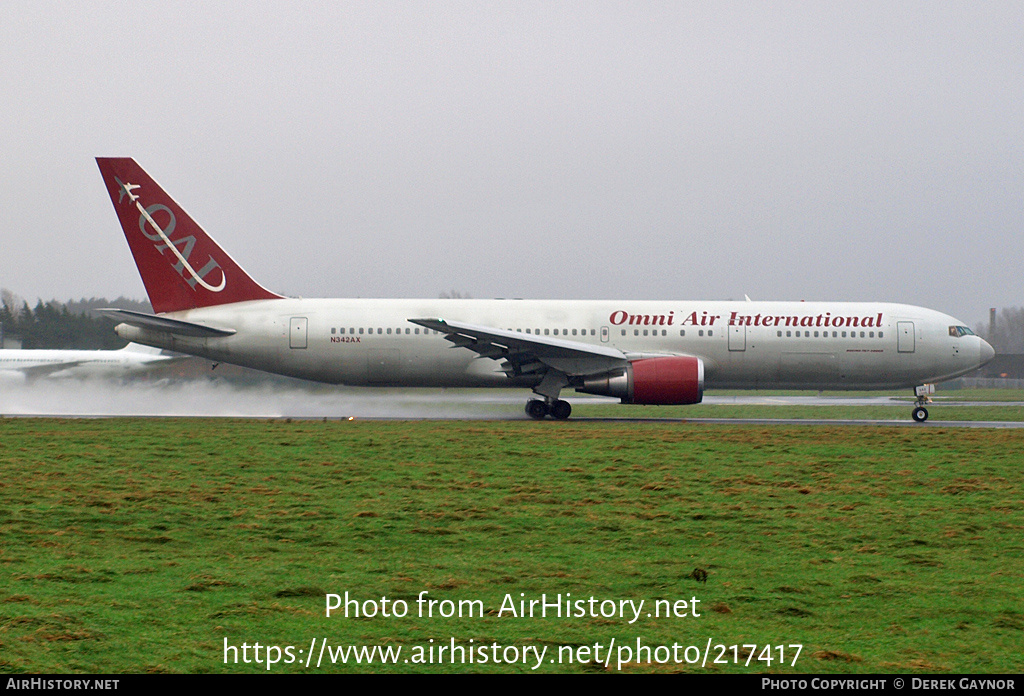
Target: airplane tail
x=181, y=266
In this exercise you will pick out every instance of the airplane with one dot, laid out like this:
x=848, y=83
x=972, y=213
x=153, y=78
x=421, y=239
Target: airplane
x=641, y=352
x=28, y=364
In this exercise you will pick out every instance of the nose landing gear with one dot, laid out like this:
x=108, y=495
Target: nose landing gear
x=920, y=413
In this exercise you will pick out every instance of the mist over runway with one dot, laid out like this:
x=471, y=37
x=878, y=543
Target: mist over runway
x=223, y=399
x=72, y=398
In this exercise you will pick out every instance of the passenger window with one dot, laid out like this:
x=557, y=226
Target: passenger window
x=710, y=332
x=333, y=330
x=546, y=332
x=871, y=334
x=645, y=332
x=682, y=332
x=880, y=335
x=862, y=334
x=574, y=332
x=789, y=334
x=389, y=331
x=701, y=332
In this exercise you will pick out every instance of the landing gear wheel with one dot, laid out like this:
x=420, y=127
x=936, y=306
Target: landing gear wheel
x=536, y=409
x=920, y=414
x=559, y=409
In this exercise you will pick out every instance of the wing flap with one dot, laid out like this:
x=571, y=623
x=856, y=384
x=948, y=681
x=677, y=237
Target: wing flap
x=48, y=369
x=527, y=354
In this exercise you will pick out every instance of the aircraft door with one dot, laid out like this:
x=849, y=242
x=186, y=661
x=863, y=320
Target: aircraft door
x=905, y=336
x=738, y=337
x=604, y=334
x=297, y=333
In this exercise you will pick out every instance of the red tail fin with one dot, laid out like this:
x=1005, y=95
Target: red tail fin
x=181, y=266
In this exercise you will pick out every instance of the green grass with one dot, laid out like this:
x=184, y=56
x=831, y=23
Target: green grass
x=140, y=545
x=940, y=394
x=948, y=405
x=896, y=412
x=979, y=394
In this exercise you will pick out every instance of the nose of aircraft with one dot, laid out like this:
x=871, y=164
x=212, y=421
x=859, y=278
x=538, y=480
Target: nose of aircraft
x=985, y=352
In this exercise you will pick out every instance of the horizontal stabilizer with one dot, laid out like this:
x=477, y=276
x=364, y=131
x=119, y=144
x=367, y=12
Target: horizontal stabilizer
x=154, y=322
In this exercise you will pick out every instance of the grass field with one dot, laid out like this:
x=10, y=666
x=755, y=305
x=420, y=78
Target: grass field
x=956, y=395
x=896, y=412
x=142, y=545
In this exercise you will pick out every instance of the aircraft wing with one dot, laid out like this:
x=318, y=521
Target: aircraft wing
x=528, y=354
x=47, y=369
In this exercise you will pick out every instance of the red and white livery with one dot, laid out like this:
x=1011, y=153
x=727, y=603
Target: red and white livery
x=639, y=352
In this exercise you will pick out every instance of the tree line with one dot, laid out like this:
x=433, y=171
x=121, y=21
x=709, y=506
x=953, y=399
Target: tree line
x=1007, y=336
x=66, y=325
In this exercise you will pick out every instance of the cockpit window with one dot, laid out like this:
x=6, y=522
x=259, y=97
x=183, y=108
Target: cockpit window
x=957, y=331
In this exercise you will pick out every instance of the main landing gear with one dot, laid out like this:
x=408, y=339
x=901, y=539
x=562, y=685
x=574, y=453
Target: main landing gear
x=920, y=413
x=558, y=409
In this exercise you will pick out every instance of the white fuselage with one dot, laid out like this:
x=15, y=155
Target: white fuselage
x=77, y=363
x=748, y=345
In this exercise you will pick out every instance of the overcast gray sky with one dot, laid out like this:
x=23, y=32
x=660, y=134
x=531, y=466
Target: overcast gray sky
x=682, y=150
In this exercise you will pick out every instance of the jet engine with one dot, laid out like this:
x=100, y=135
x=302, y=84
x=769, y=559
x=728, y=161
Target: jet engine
x=668, y=380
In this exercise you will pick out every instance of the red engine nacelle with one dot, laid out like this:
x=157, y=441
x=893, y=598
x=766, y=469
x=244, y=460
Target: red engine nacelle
x=669, y=380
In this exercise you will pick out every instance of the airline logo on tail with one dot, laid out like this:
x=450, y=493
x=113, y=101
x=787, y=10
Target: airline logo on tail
x=161, y=237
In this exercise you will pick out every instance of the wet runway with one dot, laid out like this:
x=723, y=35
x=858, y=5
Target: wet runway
x=74, y=399
x=1013, y=425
